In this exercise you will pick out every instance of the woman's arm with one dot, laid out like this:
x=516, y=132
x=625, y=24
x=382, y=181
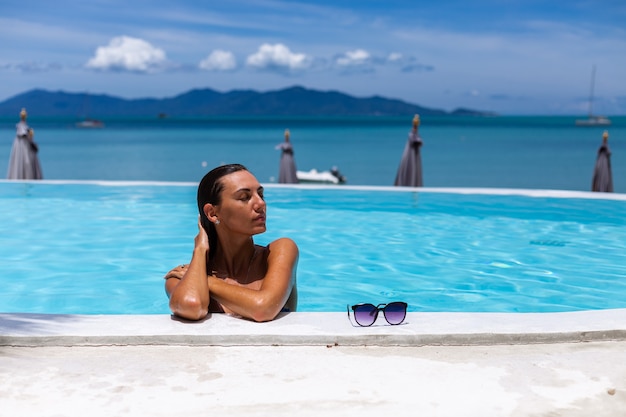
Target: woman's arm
x=189, y=295
x=265, y=303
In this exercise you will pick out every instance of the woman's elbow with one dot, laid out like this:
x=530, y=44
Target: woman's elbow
x=189, y=308
x=264, y=311
x=263, y=316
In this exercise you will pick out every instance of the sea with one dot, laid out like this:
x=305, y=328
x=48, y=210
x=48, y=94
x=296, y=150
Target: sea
x=522, y=152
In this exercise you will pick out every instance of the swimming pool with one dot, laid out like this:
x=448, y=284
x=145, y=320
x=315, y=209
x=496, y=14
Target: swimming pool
x=103, y=247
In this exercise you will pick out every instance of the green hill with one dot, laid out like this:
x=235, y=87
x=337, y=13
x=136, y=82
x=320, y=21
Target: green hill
x=293, y=101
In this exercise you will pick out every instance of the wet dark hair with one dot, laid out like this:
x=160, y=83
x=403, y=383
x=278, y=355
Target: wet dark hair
x=210, y=191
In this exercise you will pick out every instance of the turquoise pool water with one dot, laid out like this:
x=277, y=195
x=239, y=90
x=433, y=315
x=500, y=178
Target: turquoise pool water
x=102, y=248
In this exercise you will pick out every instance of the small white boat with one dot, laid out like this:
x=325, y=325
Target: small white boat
x=593, y=121
x=90, y=124
x=321, y=177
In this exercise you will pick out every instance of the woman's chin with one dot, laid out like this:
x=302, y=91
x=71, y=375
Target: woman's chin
x=259, y=229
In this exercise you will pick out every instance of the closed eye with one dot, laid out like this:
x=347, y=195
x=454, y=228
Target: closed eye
x=246, y=194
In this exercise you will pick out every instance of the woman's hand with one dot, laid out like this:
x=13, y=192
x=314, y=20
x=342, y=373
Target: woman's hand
x=202, y=239
x=201, y=242
x=178, y=272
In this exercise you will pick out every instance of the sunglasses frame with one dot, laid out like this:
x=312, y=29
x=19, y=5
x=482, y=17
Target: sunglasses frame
x=379, y=307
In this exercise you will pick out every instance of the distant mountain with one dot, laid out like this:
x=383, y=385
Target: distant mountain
x=294, y=101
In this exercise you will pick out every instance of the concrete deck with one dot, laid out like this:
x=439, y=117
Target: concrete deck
x=437, y=364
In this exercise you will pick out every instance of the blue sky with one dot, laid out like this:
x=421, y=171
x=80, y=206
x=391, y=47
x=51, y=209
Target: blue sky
x=510, y=56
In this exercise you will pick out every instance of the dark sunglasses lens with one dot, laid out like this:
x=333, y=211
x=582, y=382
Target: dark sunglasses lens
x=395, y=313
x=365, y=314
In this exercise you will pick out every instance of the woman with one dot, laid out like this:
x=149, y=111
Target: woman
x=228, y=273
x=23, y=162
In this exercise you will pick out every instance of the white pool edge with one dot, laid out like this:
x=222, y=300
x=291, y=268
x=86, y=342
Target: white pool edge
x=453, y=190
x=293, y=329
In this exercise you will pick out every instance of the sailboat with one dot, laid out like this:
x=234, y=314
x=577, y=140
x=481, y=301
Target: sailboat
x=89, y=123
x=592, y=120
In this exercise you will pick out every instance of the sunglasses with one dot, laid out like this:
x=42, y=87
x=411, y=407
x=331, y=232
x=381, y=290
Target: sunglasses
x=366, y=314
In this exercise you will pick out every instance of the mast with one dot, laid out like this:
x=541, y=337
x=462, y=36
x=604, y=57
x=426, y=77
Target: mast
x=593, y=78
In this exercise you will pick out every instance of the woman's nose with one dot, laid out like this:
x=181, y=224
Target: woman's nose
x=259, y=203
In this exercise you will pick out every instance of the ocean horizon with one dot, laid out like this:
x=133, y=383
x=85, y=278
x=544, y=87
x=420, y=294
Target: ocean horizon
x=532, y=152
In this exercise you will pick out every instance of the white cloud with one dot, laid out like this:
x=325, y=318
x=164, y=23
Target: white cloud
x=278, y=56
x=126, y=53
x=358, y=57
x=219, y=60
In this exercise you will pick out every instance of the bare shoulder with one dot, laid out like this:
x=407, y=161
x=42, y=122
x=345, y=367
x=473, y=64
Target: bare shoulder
x=283, y=244
x=283, y=247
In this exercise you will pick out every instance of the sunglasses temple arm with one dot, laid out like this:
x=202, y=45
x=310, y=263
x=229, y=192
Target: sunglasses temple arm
x=348, y=311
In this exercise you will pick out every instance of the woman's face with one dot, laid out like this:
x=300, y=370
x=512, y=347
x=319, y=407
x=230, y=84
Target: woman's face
x=242, y=207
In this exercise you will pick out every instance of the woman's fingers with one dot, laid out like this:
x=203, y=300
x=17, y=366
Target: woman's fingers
x=202, y=239
x=177, y=272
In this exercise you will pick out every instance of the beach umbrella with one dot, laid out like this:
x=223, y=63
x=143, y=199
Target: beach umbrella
x=23, y=161
x=602, y=175
x=410, y=169
x=287, y=169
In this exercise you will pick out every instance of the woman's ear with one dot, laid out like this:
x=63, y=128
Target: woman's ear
x=210, y=212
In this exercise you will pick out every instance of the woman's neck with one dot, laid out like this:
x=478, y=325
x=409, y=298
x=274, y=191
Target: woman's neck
x=234, y=259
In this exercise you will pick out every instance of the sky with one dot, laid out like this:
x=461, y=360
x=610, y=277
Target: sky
x=512, y=57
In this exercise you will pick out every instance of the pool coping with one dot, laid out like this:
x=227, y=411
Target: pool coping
x=307, y=329
x=528, y=192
